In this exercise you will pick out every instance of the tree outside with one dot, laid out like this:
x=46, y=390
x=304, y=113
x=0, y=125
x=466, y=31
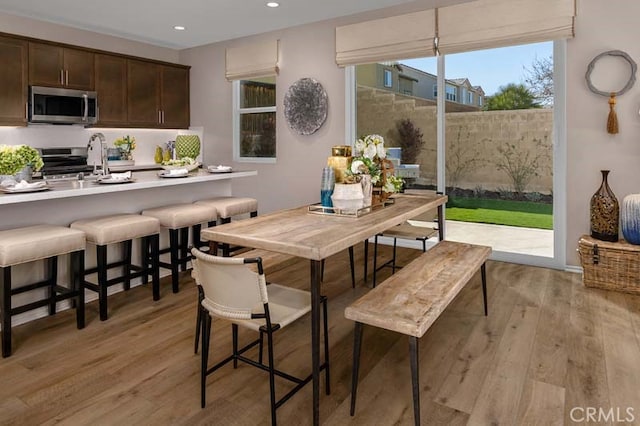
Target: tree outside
x=512, y=96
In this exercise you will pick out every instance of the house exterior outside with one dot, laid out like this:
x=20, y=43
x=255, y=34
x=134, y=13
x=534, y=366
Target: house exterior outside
x=406, y=80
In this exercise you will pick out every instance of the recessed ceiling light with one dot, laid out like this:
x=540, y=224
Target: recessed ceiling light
x=273, y=4
x=179, y=28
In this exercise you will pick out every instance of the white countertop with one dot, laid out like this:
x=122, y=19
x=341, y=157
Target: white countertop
x=141, y=180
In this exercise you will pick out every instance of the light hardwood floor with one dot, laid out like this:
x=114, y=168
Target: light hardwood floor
x=547, y=346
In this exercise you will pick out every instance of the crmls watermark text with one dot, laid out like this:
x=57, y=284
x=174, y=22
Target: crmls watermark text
x=602, y=415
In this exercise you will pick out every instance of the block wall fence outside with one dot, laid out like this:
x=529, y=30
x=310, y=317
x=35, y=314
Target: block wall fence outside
x=473, y=139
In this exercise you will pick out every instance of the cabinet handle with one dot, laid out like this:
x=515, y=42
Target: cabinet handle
x=26, y=111
x=62, y=77
x=66, y=77
x=159, y=117
x=162, y=116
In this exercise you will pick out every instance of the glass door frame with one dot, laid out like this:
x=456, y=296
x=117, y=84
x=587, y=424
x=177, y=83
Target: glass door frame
x=558, y=261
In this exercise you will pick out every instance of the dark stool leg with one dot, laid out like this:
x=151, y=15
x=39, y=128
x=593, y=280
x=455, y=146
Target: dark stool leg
x=260, y=347
x=144, y=252
x=5, y=311
x=415, y=378
x=366, y=259
x=101, y=252
x=357, y=343
x=126, y=268
x=174, y=251
x=184, y=250
x=322, y=270
x=77, y=284
x=154, y=242
x=52, y=274
x=440, y=222
x=483, y=272
x=195, y=237
x=353, y=272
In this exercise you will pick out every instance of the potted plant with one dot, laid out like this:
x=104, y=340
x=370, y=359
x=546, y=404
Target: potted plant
x=15, y=158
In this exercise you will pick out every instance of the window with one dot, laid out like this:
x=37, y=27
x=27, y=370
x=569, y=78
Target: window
x=435, y=90
x=388, y=78
x=470, y=98
x=451, y=93
x=479, y=101
x=255, y=120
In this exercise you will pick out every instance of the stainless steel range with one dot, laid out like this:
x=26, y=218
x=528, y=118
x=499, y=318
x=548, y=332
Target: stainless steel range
x=59, y=162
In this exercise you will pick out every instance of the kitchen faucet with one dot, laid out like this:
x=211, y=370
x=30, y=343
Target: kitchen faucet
x=104, y=168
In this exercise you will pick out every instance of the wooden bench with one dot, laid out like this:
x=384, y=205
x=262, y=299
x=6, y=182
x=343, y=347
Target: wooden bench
x=410, y=301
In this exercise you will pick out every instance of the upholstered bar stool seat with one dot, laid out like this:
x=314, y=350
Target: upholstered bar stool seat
x=178, y=218
x=123, y=228
x=231, y=206
x=228, y=207
x=33, y=243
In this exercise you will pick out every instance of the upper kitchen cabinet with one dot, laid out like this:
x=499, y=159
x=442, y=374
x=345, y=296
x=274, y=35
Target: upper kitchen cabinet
x=111, y=86
x=174, y=96
x=13, y=81
x=57, y=66
x=158, y=95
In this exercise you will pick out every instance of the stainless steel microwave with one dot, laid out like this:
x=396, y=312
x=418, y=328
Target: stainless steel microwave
x=62, y=106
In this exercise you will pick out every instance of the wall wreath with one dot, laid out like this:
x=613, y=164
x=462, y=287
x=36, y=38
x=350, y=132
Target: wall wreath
x=305, y=106
x=612, y=121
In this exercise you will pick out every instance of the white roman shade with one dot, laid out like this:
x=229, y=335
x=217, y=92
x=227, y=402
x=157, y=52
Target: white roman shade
x=485, y=24
x=253, y=60
x=396, y=37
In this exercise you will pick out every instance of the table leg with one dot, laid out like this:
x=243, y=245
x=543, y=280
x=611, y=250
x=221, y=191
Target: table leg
x=315, y=337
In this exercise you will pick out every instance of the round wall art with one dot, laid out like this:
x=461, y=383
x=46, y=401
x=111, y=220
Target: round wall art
x=305, y=106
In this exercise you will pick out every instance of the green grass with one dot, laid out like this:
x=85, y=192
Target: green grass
x=501, y=212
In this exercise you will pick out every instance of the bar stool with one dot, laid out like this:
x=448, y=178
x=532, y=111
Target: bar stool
x=228, y=207
x=40, y=242
x=122, y=228
x=178, y=218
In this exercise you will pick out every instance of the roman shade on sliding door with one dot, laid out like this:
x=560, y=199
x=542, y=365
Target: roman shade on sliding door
x=396, y=37
x=253, y=60
x=485, y=24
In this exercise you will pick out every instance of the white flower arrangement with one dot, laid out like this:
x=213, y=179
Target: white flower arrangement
x=369, y=154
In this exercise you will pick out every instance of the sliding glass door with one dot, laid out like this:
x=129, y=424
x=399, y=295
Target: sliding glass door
x=499, y=141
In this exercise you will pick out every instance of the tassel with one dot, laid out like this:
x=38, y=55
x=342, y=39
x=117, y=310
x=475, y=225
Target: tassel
x=612, y=121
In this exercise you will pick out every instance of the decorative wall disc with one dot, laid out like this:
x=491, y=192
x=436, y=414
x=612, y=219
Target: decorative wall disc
x=305, y=106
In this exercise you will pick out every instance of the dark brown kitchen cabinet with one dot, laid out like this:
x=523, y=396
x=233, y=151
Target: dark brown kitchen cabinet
x=57, y=66
x=174, y=96
x=143, y=94
x=158, y=95
x=111, y=86
x=13, y=81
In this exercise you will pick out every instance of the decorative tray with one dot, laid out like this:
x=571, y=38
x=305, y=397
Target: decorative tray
x=334, y=211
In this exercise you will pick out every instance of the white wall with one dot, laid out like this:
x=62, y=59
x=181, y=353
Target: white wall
x=18, y=25
x=600, y=26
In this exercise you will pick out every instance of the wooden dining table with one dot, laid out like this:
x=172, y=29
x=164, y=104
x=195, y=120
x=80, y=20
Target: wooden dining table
x=299, y=232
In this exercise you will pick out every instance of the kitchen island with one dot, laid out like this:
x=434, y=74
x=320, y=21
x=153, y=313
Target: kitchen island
x=69, y=200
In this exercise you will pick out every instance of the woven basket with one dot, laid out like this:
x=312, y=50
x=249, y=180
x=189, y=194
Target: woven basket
x=610, y=266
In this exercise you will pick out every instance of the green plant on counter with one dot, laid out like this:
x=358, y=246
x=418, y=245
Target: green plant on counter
x=14, y=158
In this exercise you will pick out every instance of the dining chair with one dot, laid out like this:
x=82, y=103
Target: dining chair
x=234, y=292
x=419, y=228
